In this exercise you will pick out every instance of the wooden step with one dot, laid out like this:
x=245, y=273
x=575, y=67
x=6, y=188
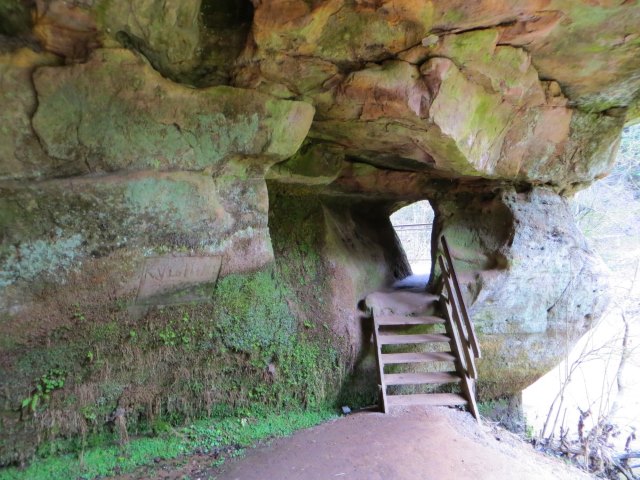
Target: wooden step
x=420, y=378
x=434, y=399
x=402, y=320
x=392, y=358
x=386, y=339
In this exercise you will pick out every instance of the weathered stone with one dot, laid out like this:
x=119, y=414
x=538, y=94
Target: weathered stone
x=314, y=164
x=534, y=133
x=65, y=29
x=333, y=253
x=151, y=196
x=162, y=275
x=59, y=231
x=532, y=282
x=20, y=152
x=336, y=31
x=288, y=76
x=119, y=113
x=167, y=32
x=597, y=71
x=477, y=109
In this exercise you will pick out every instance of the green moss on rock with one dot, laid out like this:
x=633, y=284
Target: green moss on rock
x=245, y=350
x=252, y=315
x=156, y=123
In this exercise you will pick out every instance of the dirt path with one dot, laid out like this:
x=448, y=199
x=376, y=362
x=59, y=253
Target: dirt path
x=414, y=444
x=426, y=443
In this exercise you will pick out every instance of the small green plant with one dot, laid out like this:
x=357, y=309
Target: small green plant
x=89, y=413
x=168, y=336
x=187, y=329
x=52, y=380
x=77, y=314
x=160, y=427
x=178, y=332
x=528, y=432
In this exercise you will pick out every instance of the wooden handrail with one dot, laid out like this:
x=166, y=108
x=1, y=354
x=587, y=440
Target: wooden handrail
x=460, y=336
x=381, y=383
x=461, y=342
x=471, y=336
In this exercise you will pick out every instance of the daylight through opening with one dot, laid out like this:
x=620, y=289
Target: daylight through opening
x=413, y=225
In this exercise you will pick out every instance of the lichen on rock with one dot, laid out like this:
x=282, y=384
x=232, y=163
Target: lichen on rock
x=141, y=120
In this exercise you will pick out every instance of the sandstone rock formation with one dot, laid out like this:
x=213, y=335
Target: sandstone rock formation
x=195, y=194
x=532, y=280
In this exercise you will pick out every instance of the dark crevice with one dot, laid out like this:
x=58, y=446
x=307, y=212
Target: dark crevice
x=395, y=164
x=226, y=25
x=226, y=14
x=15, y=17
x=455, y=31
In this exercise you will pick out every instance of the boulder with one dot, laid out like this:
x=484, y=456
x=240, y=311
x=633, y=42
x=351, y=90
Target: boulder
x=119, y=113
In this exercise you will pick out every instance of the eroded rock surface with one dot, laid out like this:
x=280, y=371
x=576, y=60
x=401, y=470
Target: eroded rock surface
x=532, y=281
x=482, y=95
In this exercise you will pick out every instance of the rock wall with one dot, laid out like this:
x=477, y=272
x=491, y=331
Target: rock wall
x=134, y=220
x=194, y=195
x=532, y=283
x=154, y=169
x=332, y=252
x=144, y=275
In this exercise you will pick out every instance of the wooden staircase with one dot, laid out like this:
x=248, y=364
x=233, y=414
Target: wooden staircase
x=429, y=350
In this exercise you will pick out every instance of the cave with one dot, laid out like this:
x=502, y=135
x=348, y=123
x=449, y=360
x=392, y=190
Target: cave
x=195, y=198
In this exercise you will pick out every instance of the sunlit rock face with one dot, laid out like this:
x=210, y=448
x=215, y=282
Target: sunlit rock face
x=182, y=181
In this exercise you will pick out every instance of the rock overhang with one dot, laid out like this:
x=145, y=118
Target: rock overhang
x=520, y=92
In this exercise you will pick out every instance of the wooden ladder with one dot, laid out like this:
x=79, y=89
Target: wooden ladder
x=416, y=358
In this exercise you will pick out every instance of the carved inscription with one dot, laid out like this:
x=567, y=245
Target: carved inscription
x=165, y=274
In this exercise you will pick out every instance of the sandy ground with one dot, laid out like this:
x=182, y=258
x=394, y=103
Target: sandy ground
x=420, y=443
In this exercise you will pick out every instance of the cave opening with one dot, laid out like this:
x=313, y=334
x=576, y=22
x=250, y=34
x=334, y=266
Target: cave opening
x=413, y=225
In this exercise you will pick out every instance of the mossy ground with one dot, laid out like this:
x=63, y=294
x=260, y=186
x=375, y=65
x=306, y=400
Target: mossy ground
x=217, y=436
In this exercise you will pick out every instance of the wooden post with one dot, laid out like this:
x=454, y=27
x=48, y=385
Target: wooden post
x=473, y=339
x=381, y=384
